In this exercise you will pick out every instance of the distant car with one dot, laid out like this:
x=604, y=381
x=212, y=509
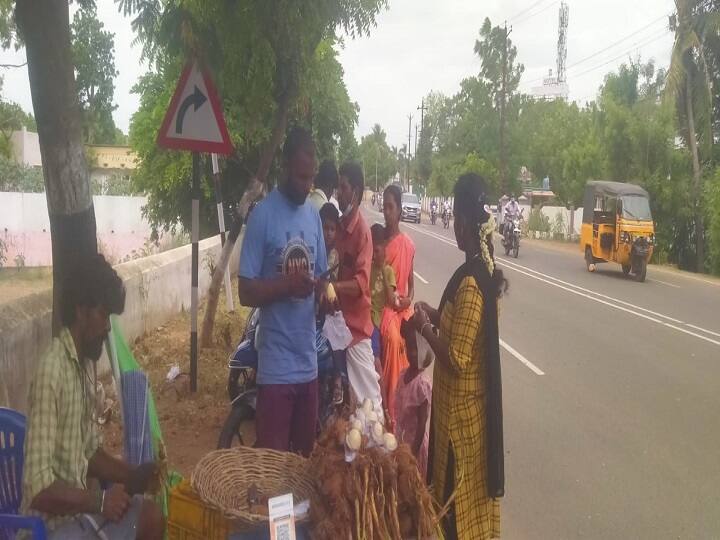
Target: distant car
x=410, y=208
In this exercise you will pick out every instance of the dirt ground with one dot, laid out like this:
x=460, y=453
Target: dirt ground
x=18, y=282
x=190, y=423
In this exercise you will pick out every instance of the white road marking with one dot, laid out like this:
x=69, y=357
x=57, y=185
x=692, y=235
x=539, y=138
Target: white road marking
x=598, y=297
x=425, y=281
x=665, y=283
x=703, y=330
x=532, y=367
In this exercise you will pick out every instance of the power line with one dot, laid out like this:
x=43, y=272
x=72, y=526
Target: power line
x=523, y=11
x=637, y=46
x=532, y=15
x=612, y=45
x=617, y=42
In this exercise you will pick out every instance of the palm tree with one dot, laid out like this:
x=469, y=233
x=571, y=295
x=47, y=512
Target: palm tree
x=690, y=85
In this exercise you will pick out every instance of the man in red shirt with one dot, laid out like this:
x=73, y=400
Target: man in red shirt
x=354, y=245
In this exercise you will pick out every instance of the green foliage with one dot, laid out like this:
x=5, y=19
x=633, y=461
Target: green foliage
x=537, y=221
x=373, y=151
x=12, y=118
x=20, y=178
x=93, y=53
x=266, y=57
x=713, y=205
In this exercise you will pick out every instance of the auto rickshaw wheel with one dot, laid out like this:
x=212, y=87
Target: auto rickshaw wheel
x=589, y=259
x=641, y=270
x=626, y=269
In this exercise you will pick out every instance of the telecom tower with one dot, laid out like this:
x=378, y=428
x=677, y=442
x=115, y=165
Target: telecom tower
x=556, y=87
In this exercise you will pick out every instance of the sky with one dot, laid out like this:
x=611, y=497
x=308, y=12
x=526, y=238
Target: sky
x=427, y=45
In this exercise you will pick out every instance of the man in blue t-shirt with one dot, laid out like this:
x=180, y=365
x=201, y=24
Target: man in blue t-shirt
x=282, y=256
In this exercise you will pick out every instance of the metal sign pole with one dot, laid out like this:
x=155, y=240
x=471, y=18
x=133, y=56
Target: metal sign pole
x=194, y=278
x=221, y=223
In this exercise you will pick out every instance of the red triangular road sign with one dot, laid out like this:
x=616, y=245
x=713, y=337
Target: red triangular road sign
x=194, y=121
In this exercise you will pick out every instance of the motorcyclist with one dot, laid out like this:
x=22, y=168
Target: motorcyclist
x=510, y=212
x=447, y=208
x=433, y=208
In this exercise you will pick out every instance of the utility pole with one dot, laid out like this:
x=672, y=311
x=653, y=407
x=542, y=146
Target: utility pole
x=503, y=98
x=416, y=130
x=422, y=108
x=407, y=156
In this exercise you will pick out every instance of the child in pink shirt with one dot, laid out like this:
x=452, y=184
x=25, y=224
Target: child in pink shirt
x=413, y=397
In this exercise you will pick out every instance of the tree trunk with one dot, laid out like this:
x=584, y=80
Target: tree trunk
x=45, y=29
x=697, y=180
x=258, y=185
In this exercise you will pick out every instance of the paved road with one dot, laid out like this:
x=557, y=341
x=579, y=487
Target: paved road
x=611, y=394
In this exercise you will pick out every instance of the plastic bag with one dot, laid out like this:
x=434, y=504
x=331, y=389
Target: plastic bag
x=337, y=332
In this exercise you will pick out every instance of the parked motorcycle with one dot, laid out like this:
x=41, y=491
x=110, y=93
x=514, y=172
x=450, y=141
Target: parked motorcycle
x=242, y=388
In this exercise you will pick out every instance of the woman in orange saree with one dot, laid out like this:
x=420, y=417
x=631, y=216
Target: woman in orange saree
x=399, y=253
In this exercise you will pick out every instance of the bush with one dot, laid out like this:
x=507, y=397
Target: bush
x=537, y=221
x=559, y=229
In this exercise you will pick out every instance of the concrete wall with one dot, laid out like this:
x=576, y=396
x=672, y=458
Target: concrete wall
x=26, y=148
x=25, y=226
x=158, y=287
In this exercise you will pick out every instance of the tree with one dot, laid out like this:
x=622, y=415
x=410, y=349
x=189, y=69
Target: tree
x=20, y=178
x=690, y=86
x=499, y=70
x=44, y=28
x=273, y=41
x=379, y=159
x=12, y=118
x=93, y=50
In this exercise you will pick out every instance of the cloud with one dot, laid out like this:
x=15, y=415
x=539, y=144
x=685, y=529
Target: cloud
x=424, y=45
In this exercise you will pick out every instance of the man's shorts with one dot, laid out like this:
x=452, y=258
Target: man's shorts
x=95, y=526
x=375, y=342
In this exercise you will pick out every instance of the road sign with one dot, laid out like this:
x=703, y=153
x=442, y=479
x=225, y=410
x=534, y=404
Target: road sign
x=194, y=120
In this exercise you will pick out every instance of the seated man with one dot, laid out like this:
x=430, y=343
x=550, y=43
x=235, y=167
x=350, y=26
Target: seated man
x=62, y=446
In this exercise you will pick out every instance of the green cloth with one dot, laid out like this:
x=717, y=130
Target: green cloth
x=379, y=282
x=61, y=435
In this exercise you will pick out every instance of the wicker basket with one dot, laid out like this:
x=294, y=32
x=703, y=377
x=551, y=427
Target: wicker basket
x=222, y=479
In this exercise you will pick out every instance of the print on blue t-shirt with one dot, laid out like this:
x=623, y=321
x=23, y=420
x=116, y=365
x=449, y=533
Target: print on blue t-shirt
x=283, y=238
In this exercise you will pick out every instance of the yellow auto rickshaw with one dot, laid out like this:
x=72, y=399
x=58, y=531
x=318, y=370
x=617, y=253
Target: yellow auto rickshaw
x=617, y=227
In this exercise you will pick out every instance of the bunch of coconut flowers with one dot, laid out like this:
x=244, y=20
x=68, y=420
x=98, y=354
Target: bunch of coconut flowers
x=367, y=485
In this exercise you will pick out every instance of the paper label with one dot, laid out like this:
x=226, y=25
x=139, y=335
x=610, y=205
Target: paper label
x=282, y=517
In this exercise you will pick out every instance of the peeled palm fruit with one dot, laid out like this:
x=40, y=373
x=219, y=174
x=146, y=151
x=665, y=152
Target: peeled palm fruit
x=390, y=442
x=353, y=440
x=367, y=405
x=372, y=416
x=377, y=432
x=330, y=293
x=356, y=424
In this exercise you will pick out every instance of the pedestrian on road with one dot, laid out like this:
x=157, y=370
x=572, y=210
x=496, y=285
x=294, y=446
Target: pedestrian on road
x=282, y=256
x=326, y=183
x=355, y=250
x=466, y=455
x=400, y=254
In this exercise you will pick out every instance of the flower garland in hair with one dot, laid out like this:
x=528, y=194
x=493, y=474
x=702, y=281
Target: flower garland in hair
x=486, y=230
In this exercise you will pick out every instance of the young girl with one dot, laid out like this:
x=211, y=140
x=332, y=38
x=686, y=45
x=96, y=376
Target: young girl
x=382, y=291
x=413, y=396
x=330, y=218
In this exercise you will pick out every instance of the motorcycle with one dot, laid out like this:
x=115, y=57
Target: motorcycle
x=433, y=215
x=446, y=219
x=511, y=235
x=242, y=387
